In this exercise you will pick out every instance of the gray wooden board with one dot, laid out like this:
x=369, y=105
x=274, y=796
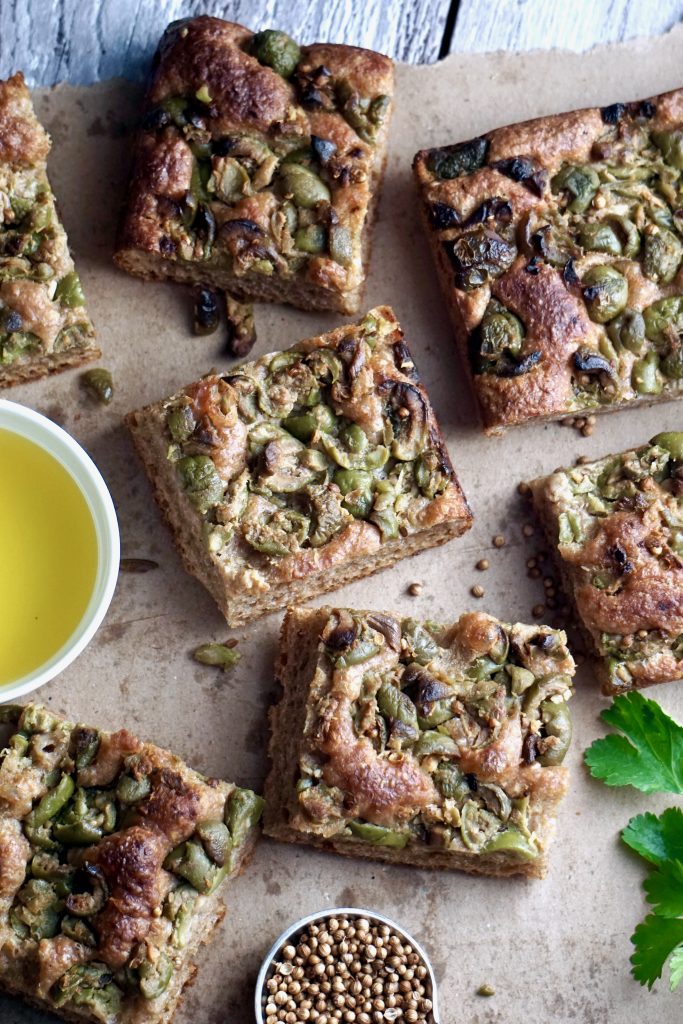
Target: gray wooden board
x=83, y=41
x=555, y=950
x=485, y=25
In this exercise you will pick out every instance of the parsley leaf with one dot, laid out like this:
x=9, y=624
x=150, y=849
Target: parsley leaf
x=657, y=839
x=676, y=967
x=655, y=938
x=648, y=756
x=664, y=889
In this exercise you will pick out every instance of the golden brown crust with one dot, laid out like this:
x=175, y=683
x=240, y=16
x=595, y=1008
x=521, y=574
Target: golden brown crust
x=247, y=579
x=340, y=781
x=544, y=295
x=23, y=141
x=620, y=561
x=252, y=102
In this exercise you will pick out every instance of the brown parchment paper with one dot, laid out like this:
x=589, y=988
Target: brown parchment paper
x=555, y=950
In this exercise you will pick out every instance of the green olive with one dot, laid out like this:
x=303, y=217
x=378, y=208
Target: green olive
x=310, y=239
x=398, y=709
x=356, y=485
x=131, y=790
x=500, y=330
x=511, y=840
x=242, y=812
x=91, y=987
x=628, y=330
x=354, y=438
x=644, y=377
x=420, y=645
x=479, y=256
x=191, y=862
x=433, y=742
x=432, y=473
x=53, y=802
x=200, y=481
x=319, y=419
x=672, y=441
x=219, y=655
x=600, y=236
x=672, y=364
x=663, y=317
x=306, y=188
x=377, y=835
x=276, y=50
x=580, y=184
x=670, y=144
x=99, y=383
x=180, y=422
x=605, y=293
x=341, y=245
x=454, y=161
x=662, y=255
x=155, y=977
x=557, y=724
x=216, y=839
x=477, y=826
x=450, y=782
x=69, y=291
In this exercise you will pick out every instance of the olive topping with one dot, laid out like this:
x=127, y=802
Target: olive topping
x=324, y=149
x=442, y=216
x=613, y=113
x=496, y=208
x=579, y=185
x=455, y=161
x=205, y=319
x=478, y=256
x=662, y=254
x=590, y=362
x=605, y=293
x=276, y=50
x=518, y=168
x=99, y=383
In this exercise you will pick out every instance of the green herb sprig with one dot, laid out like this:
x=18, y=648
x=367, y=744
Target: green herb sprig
x=649, y=756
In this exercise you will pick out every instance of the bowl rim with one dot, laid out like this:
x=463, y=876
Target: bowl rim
x=57, y=442
x=303, y=922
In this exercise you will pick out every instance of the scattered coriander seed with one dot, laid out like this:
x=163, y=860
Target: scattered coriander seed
x=415, y=589
x=537, y=610
x=477, y=590
x=582, y=460
x=486, y=990
x=531, y=563
x=499, y=541
x=482, y=564
x=587, y=430
x=528, y=530
x=591, y=420
x=523, y=489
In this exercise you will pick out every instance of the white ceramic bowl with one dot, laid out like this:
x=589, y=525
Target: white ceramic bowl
x=43, y=432
x=295, y=930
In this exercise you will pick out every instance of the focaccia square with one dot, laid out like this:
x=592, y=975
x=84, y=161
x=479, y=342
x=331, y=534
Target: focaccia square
x=112, y=855
x=259, y=165
x=432, y=745
x=616, y=528
x=305, y=469
x=44, y=326
x=559, y=246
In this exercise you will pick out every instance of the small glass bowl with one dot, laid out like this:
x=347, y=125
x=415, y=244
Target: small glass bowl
x=293, y=933
x=65, y=450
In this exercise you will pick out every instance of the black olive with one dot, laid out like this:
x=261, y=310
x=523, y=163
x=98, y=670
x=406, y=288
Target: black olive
x=404, y=361
x=442, y=216
x=532, y=266
x=205, y=319
x=478, y=256
x=155, y=119
x=569, y=275
x=587, y=361
x=324, y=149
x=454, y=161
x=341, y=638
x=166, y=246
x=516, y=167
x=613, y=114
x=647, y=109
x=529, y=748
x=204, y=224
x=224, y=146
x=618, y=554
x=497, y=208
x=13, y=321
x=471, y=780
x=249, y=228
x=512, y=367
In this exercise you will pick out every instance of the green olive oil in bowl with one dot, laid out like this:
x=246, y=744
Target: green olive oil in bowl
x=58, y=549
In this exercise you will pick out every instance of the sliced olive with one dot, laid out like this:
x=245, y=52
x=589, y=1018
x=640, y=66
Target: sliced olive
x=479, y=256
x=220, y=655
x=670, y=144
x=52, y=803
x=200, y=481
x=451, y=782
x=605, y=293
x=432, y=742
x=99, y=383
x=662, y=255
x=180, y=422
x=454, y=161
x=511, y=840
x=644, y=376
x=663, y=318
x=400, y=713
x=580, y=183
x=628, y=330
x=378, y=835
x=306, y=188
x=357, y=487
x=477, y=826
x=205, y=320
x=130, y=790
x=672, y=441
x=155, y=977
x=420, y=645
x=216, y=840
x=243, y=811
x=69, y=291
x=557, y=725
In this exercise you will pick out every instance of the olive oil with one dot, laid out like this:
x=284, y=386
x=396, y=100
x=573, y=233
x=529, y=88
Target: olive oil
x=48, y=556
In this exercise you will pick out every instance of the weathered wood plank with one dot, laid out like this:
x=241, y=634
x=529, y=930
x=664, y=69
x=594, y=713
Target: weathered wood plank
x=485, y=25
x=84, y=41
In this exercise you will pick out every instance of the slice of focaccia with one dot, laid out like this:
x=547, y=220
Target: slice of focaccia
x=559, y=245
x=44, y=326
x=112, y=855
x=616, y=528
x=259, y=165
x=437, y=746
x=305, y=469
